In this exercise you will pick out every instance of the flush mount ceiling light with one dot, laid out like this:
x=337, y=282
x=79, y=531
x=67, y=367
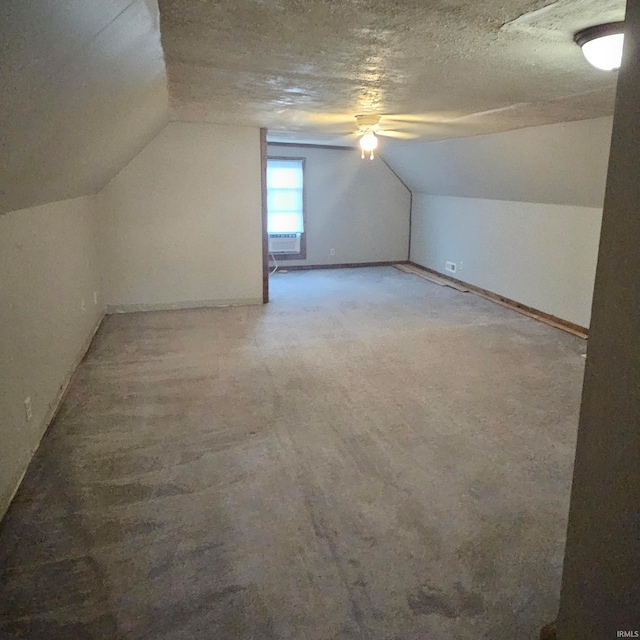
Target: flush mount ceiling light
x=602, y=45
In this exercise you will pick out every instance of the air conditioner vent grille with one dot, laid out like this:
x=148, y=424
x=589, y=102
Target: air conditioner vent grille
x=281, y=243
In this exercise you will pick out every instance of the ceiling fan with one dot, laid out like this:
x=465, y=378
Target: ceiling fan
x=370, y=126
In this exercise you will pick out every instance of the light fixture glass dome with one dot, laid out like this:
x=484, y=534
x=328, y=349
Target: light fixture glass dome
x=369, y=141
x=602, y=45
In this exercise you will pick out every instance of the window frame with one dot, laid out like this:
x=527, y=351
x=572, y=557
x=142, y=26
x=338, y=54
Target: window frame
x=303, y=236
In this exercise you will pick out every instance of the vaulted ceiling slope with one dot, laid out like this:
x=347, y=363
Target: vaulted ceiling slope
x=83, y=88
x=564, y=163
x=456, y=67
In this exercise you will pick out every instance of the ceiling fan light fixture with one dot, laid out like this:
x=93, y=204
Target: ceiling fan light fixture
x=368, y=142
x=602, y=45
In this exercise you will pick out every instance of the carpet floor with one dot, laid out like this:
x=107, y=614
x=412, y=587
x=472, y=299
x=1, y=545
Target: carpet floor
x=369, y=457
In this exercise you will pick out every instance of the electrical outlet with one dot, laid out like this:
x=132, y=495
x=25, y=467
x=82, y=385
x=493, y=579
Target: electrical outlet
x=28, y=411
x=332, y=252
x=95, y=297
x=461, y=265
x=450, y=266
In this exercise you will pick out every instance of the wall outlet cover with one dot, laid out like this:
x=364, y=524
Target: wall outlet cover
x=450, y=266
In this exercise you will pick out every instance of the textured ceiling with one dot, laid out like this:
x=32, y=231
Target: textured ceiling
x=305, y=68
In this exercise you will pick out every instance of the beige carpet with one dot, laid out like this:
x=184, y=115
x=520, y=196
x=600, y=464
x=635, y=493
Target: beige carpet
x=369, y=457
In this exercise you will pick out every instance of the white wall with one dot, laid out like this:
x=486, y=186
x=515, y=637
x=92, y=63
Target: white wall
x=541, y=255
x=358, y=207
x=181, y=225
x=564, y=163
x=48, y=266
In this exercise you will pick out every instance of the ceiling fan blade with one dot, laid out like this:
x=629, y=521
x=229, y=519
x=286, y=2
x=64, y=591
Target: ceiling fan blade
x=410, y=119
x=400, y=135
x=349, y=136
x=327, y=119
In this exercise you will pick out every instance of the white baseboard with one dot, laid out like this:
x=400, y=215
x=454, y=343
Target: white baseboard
x=54, y=405
x=186, y=304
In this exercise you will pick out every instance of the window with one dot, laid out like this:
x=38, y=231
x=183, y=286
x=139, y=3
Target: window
x=285, y=196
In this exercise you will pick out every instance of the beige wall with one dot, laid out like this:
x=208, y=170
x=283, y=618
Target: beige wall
x=357, y=207
x=181, y=225
x=541, y=255
x=48, y=266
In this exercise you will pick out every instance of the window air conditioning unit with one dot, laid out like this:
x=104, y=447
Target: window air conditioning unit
x=280, y=243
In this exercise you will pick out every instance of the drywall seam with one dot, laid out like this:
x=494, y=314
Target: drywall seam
x=395, y=173
x=410, y=224
x=54, y=406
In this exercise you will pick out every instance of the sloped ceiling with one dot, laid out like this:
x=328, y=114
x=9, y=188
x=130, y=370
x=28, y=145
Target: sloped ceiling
x=83, y=90
x=84, y=83
x=564, y=163
x=454, y=68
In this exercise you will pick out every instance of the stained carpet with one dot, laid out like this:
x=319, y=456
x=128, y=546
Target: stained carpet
x=369, y=457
